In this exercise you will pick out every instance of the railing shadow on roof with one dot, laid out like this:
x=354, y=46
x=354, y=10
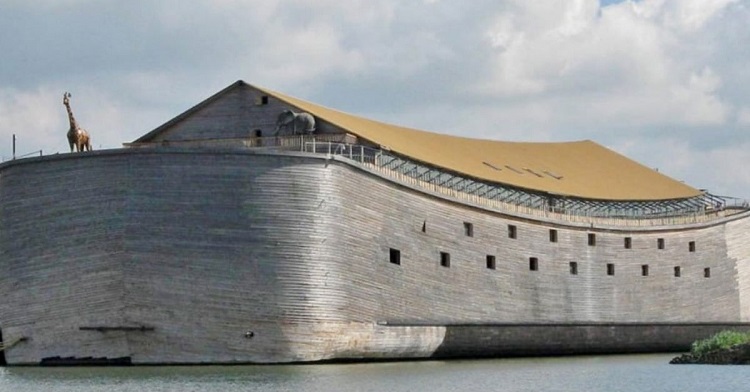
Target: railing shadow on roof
x=702, y=208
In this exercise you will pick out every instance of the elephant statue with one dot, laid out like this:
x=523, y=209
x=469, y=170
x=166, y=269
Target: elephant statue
x=303, y=123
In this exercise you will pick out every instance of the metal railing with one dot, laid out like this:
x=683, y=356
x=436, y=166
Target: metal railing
x=294, y=142
x=28, y=154
x=703, y=208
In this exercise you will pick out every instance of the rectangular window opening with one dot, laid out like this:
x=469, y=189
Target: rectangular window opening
x=552, y=235
x=573, y=268
x=610, y=269
x=445, y=259
x=660, y=243
x=707, y=272
x=395, y=256
x=691, y=246
x=533, y=264
x=592, y=239
x=628, y=243
x=644, y=270
x=677, y=271
x=469, y=229
x=512, y=231
x=490, y=262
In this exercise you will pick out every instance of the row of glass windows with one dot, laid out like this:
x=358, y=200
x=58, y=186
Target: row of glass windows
x=513, y=234
x=491, y=263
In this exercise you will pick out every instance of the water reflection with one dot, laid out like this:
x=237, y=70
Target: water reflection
x=604, y=373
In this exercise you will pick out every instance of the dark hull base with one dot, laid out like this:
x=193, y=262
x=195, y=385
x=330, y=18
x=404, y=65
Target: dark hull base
x=529, y=340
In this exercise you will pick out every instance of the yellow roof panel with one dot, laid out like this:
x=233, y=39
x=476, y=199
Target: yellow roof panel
x=577, y=169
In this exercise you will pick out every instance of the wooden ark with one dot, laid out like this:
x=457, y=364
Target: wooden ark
x=218, y=238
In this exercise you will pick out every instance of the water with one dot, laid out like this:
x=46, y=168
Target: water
x=603, y=373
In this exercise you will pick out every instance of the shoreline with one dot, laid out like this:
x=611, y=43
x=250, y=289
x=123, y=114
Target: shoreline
x=735, y=355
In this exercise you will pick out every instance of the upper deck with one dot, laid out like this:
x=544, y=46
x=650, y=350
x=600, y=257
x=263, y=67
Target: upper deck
x=498, y=197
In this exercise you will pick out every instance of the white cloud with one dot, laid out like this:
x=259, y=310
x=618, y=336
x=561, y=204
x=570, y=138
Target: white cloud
x=685, y=15
x=624, y=61
x=743, y=116
x=30, y=116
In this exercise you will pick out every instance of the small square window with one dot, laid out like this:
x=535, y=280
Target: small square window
x=628, y=243
x=707, y=272
x=468, y=229
x=573, y=268
x=490, y=262
x=644, y=270
x=445, y=259
x=552, y=235
x=660, y=243
x=592, y=239
x=691, y=246
x=533, y=264
x=262, y=100
x=512, y=231
x=610, y=269
x=258, y=133
x=677, y=271
x=395, y=256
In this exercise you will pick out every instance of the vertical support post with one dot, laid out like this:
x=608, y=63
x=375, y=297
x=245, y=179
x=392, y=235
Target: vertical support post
x=14, y=146
x=362, y=154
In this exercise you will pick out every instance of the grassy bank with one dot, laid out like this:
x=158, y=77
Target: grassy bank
x=721, y=341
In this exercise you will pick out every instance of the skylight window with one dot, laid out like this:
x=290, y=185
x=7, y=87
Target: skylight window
x=553, y=175
x=492, y=166
x=513, y=169
x=532, y=172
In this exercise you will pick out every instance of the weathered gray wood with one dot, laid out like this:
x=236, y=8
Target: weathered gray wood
x=206, y=246
x=238, y=114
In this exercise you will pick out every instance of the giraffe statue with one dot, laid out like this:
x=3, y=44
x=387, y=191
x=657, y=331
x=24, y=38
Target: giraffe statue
x=77, y=136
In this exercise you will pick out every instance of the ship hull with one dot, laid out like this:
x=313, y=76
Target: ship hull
x=165, y=256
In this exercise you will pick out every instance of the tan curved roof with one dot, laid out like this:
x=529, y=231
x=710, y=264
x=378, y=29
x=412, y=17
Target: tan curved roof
x=582, y=169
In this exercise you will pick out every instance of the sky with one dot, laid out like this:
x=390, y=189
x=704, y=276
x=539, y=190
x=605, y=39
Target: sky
x=664, y=82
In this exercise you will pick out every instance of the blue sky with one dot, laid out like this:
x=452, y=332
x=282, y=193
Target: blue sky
x=664, y=82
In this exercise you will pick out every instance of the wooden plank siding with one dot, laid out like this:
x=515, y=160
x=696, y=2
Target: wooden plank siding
x=203, y=247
